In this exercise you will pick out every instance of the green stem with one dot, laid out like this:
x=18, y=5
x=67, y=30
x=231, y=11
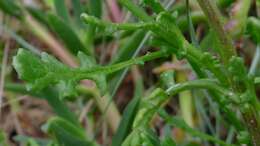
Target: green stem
x=211, y=11
x=199, y=84
x=177, y=122
x=115, y=26
x=116, y=67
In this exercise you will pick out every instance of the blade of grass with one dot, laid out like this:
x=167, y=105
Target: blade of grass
x=10, y=7
x=77, y=9
x=178, y=122
x=67, y=134
x=19, y=39
x=119, y=78
x=69, y=37
x=191, y=27
x=62, y=11
x=126, y=122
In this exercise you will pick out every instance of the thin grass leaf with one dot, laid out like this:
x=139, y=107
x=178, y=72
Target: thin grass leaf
x=19, y=39
x=180, y=123
x=11, y=8
x=126, y=122
x=38, y=14
x=67, y=35
x=77, y=9
x=45, y=71
x=67, y=134
x=62, y=11
x=95, y=8
x=191, y=27
x=126, y=52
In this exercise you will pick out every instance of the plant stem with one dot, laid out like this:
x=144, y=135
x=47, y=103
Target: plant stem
x=198, y=84
x=214, y=17
x=116, y=67
x=185, y=100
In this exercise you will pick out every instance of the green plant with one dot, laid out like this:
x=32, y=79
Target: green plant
x=221, y=72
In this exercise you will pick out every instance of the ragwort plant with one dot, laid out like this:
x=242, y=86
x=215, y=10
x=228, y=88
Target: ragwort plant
x=224, y=76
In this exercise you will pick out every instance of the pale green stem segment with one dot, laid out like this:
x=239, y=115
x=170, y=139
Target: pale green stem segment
x=115, y=26
x=116, y=67
x=257, y=80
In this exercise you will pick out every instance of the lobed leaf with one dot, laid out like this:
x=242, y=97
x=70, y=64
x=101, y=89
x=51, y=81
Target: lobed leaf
x=45, y=71
x=40, y=73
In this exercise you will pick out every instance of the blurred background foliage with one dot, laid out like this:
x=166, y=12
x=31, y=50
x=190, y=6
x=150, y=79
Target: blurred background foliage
x=54, y=26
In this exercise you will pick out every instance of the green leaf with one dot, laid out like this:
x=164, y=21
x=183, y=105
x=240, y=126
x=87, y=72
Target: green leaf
x=67, y=35
x=38, y=14
x=95, y=8
x=210, y=42
x=32, y=142
x=180, y=123
x=11, y=8
x=45, y=71
x=77, y=9
x=67, y=134
x=40, y=73
x=127, y=51
x=126, y=122
x=61, y=10
x=224, y=3
x=155, y=4
x=168, y=141
x=253, y=28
